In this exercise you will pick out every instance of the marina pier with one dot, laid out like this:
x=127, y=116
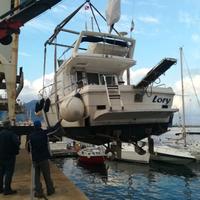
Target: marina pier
x=22, y=182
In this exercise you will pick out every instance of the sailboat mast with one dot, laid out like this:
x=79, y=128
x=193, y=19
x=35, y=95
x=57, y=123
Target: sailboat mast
x=183, y=99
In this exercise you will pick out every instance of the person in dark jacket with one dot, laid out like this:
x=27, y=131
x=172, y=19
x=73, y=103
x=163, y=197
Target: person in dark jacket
x=9, y=148
x=39, y=148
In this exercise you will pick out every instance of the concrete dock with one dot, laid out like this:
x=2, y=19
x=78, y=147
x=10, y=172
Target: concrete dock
x=22, y=182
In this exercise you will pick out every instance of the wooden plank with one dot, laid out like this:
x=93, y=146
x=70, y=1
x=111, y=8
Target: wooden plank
x=65, y=189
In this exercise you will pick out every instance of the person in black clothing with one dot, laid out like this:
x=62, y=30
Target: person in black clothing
x=9, y=148
x=39, y=148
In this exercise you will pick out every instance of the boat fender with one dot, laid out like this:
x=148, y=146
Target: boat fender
x=41, y=104
x=47, y=105
x=72, y=109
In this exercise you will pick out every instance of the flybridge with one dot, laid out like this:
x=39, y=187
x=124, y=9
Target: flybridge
x=11, y=21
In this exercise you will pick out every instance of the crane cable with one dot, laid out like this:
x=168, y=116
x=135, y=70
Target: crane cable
x=44, y=70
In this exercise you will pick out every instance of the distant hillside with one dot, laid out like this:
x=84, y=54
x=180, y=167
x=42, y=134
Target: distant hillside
x=29, y=113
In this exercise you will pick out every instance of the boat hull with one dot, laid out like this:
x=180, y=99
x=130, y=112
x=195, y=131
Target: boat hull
x=172, y=159
x=104, y=134
x=172, y=155
x=131, y=156
x=93, y=160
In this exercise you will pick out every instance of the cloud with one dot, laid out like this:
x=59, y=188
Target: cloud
x=189, y=19
x=126, y=2
x=41, y=25
x=60, y=8
x=192, y=108
x=31, y=88
x=24, y=54
x=149, y=20
x=136, y=75
x=196, y=38
x=152, y=3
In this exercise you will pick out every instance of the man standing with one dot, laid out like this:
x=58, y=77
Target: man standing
x=9, y=148
x=39, y=148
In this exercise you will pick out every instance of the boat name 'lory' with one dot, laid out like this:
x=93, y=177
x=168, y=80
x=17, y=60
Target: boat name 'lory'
x=157, y=99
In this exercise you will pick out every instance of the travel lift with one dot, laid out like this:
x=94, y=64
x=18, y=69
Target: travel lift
x=10, y=23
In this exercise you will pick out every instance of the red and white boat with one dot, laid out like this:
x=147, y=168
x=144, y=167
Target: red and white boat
x=92, y=155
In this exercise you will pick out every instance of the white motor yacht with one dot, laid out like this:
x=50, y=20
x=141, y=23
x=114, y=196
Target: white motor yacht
x=91, y=97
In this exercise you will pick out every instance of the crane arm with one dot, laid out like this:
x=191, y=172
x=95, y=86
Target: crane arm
x=11, y=21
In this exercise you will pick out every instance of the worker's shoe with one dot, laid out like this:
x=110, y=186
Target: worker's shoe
x=9, y=192
x=39, y=195
x=50, y=192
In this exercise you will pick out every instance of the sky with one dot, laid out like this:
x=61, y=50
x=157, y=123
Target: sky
x=161, y=28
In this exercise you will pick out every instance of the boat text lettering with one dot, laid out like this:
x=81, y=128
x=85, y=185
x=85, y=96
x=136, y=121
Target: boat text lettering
x=157, y=99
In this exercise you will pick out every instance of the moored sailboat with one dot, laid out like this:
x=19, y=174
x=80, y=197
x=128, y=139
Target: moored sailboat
x=173, y=152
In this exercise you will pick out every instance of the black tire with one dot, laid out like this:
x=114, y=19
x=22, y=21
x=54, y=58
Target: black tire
x=41, y=104
x=6, y=40
x=47, y=105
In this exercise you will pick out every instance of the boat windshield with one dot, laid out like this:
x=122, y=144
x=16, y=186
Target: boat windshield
x=105, y=40
x=95, y=78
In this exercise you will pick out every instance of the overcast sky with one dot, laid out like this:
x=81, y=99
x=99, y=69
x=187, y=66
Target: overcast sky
x=161, y=28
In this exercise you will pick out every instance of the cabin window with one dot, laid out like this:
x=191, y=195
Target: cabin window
x=110, y=79
x=101, y=107
x=139, y=97
x=60, y=62
x=79, y=76
x=93, y=78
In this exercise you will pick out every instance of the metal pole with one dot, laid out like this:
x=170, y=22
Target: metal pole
x=183, y=99
x=55, y=80
x=92, y=23
x=128, y=76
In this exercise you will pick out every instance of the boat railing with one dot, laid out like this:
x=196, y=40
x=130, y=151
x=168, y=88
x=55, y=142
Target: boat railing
x=105, y=43
x=48, y=90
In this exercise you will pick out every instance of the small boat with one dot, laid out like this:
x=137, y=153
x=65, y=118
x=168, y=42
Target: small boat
x=92, y=155
x=129, y=154
x=62, y=149
x=172, y=155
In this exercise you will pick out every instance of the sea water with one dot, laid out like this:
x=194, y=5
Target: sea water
x=121, y=180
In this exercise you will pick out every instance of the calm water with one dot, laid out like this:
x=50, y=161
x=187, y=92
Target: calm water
x=119, y=180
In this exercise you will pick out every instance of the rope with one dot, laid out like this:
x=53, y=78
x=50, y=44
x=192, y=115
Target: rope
x=91, y=7
x=64, y=52
x=44, y=70
x=195, y=92
x=55, y=79
x=62, y=24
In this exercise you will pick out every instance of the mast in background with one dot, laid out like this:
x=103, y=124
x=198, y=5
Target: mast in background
x=183, y=98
